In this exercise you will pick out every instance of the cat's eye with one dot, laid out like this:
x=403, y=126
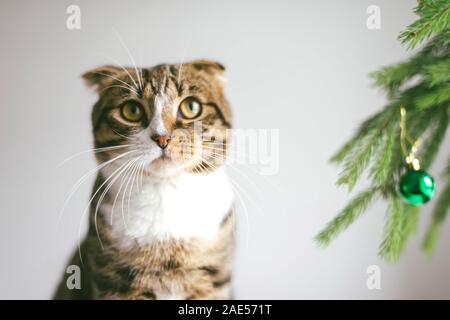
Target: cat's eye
x=190, y=108
x=132, y=111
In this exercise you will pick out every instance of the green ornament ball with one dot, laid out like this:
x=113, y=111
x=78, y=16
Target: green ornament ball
x=417, y=187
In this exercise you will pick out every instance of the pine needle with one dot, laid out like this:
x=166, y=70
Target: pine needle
x=411, y=215
x=392, y=77
x=421, y=85
x=380, y=170
x=392, y=245
x=434, y=18
x=431, y=146
x=440, y=212
x=357, y=161
x=437, y=73
x=433, y=97
x=347, y=216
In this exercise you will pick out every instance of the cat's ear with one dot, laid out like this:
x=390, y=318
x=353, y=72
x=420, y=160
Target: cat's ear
x=214, y=68
x=102, y=76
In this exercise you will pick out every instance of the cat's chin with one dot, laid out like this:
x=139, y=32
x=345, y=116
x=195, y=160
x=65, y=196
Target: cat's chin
x=164, y=167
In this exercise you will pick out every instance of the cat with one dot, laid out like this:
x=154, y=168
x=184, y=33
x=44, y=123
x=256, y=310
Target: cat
x=161, y=221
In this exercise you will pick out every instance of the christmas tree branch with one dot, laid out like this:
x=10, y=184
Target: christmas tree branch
x=401, y=223
x=392, y=244
x=347, y=216
x=439, y=214
x=420, y=85
x=435, y=139
x=382, y=165
x=438, y=72
x=435, y=17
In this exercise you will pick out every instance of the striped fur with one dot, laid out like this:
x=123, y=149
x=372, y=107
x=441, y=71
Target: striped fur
x=182, y=246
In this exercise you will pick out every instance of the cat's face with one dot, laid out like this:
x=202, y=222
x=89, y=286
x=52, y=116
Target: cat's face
x=163, y=120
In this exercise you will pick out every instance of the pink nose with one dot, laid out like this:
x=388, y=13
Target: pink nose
x=161, y=140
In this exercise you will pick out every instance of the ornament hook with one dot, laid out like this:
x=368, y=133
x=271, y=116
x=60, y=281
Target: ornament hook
x=410, y=156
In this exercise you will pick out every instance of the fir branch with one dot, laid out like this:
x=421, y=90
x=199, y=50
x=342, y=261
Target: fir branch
x=342, y=153
x=437, y=73
x=433, y=20
x=422, y=86
x=392, y=77
x=358, y=160
x=381, y=168
x=438, y=46
x=347, y=216
x=395, y=167
x=431, y=146
x=358, y=157
x=411, y=215
x=428, y=7
x=366, y=128
x=433, y=97
x=421, y=120
x=393, y=243
x=440, y=212
x=430, y=65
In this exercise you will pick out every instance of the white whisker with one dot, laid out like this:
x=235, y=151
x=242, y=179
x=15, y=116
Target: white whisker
x=124, y=69
x=100, y=200
x=133, y=178
x=120, y=86
x=88, y=205
x=117, y=79
x=141, y=85
x=123, y=136
x=94, y=150
x=122, y=182
x=83, y=178
x=123, y=196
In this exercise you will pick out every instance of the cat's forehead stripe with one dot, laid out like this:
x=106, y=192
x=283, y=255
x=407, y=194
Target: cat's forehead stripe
x=147, y=92
x=156, y=82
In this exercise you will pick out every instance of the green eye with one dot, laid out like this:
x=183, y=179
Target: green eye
x=190, y=108
x=132, y=111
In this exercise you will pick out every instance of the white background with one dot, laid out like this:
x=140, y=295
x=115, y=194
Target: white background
x=297, y=66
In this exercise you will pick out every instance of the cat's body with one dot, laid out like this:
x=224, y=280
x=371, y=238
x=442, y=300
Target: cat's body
x=161, y=222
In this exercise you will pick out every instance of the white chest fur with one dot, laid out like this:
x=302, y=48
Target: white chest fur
x=190, y=205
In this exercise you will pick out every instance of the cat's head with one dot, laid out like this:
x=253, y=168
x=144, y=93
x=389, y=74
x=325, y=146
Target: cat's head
x=164, y=120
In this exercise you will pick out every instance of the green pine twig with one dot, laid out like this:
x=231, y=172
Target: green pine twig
x=347, y=216
x=433, y=20
x=422, y=86
x=393, y=242
x=381, y=169
x=432, y=144
x=437, y=73
x=440, y=212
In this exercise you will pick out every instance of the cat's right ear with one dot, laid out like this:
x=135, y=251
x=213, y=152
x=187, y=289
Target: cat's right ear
x=101, y=77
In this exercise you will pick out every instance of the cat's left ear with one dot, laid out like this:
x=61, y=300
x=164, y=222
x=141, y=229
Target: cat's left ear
x=211, y=67
x=101, y=77
x=214, y=69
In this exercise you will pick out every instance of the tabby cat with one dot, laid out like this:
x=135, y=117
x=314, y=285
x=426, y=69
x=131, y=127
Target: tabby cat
x=161, y=220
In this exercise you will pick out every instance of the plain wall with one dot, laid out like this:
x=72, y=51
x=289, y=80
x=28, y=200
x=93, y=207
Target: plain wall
x=297, y=66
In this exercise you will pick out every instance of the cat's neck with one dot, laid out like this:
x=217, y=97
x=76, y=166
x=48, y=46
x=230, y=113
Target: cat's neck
x=189, y=205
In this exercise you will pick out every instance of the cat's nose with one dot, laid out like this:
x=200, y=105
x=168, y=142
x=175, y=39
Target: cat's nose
x=161, y=140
